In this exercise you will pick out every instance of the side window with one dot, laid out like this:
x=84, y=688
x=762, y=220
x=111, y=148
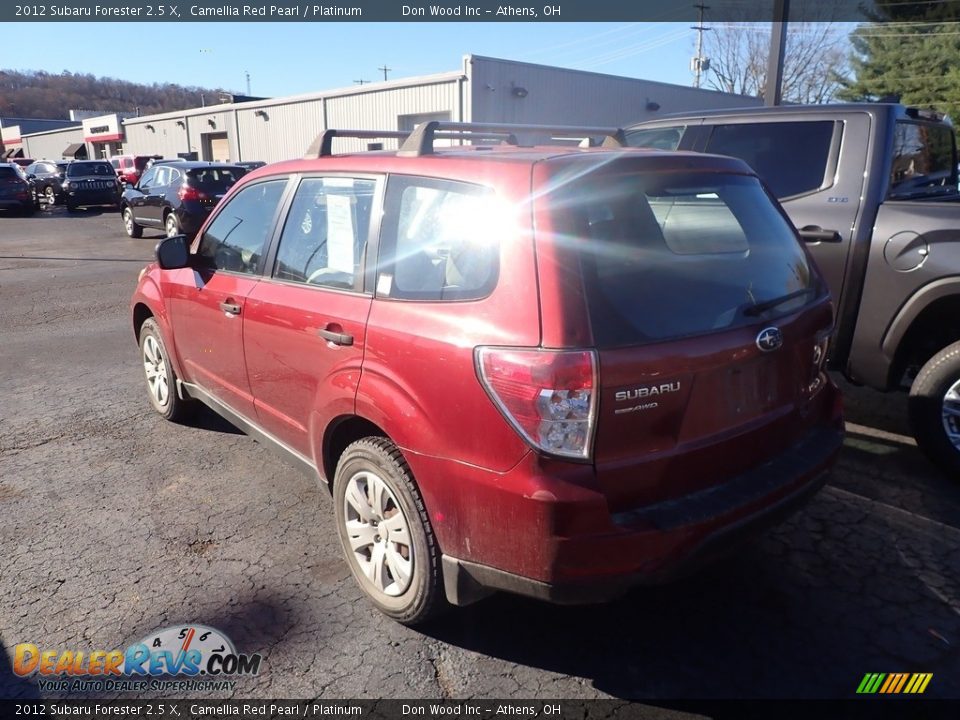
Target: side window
x=148, y=178
x=661, y=138
x=162, y=176
x=790, y=157
x=326, y=231
x=236, y=238
x=175, y=176
x=438, y=241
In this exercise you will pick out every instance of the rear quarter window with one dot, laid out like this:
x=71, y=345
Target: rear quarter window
x=440, y=240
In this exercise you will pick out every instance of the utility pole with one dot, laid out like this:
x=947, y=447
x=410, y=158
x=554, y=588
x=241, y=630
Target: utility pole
x=384, y=70
x=247, y=72
x=778, y=47
x=360, y=82
x=699, y=64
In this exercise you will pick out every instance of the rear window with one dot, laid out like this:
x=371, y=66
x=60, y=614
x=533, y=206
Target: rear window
x=8, y=173
x=924, y=160
x=214, y=180
x=672, y=255
x=83, y=169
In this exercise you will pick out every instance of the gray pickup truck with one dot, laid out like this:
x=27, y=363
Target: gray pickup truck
x=872, y=189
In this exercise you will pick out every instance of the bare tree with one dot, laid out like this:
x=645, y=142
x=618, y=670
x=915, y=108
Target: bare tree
x=816, y=60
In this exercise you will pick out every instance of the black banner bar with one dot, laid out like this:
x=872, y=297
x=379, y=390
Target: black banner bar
x=857, y=709
x=179, y=11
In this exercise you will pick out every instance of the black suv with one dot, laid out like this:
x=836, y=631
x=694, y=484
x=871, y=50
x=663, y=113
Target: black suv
x=48, y=176
x=16, y=191
x=89, y=183
x=176, y=196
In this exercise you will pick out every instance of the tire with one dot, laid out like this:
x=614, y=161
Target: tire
x=171, y=225
x=401, y=579
x=50, y=195
x=133, y=230
x=159, y=375
x=934, y=408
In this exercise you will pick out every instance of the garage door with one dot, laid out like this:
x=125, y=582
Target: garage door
x=219, y=147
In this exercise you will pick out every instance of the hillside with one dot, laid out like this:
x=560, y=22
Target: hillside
x=39, y=94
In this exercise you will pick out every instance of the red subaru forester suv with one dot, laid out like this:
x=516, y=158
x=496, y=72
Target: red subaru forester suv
x=552, y=369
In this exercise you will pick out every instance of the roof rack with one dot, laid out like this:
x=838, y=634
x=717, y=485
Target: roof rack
x=421, y=140
x=322, y=146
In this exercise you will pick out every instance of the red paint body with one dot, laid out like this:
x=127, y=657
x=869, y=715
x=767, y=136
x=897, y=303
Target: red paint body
x=410, y=372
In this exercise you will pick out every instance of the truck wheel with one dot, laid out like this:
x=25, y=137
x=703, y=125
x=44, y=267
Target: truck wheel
x=161, y=380
x=935, y=409
x=385, y=531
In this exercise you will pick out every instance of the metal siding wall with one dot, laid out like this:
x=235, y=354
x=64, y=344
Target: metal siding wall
x=570, y=97
x=50, y=146
x=380, y=110
x=166, y=139
x=284, y=134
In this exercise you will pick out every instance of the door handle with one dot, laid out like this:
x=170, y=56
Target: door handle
x=230, y=308
x=815, y=233
x=337, y=338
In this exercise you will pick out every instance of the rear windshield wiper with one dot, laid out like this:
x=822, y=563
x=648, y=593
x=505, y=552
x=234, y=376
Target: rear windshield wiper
x=770, y=304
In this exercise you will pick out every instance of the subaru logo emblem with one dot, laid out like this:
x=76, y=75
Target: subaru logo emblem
x=769, y=339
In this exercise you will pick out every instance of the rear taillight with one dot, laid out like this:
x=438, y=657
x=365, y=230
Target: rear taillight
x=548, y=396
x=819, y=359
x=187, y=192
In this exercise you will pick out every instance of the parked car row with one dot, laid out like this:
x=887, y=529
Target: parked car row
x=175, y=196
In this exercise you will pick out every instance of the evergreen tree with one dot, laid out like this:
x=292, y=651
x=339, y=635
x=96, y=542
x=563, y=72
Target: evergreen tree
x=909, y=51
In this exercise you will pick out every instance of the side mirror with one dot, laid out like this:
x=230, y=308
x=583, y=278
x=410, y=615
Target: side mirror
x=173, y=253
x=31, y=176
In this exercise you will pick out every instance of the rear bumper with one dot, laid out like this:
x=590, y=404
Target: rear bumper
x=658, y=542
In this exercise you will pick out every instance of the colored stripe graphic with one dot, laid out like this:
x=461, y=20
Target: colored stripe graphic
x=894, y=683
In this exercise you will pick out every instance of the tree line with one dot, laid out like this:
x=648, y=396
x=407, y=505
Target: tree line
x=39, y=94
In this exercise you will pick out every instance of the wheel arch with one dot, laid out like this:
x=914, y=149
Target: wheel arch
x=339, y=434
x=928, y=322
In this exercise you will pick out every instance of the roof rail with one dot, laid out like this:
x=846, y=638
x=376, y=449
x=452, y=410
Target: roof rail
x=421, y=139
x=322, y=144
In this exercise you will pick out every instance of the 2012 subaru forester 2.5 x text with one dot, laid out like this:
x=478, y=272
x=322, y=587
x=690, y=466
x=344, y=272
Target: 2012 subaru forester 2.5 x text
x=548, y=369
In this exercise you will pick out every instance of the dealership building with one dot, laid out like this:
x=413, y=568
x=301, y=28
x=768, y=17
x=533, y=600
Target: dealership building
x=486, y=90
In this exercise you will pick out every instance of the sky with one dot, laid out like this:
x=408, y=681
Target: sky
x=292, y=58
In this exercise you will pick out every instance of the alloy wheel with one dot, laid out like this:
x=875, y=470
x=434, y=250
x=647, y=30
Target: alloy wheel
x=155, y=368
x=379, y=533
x=950, y=414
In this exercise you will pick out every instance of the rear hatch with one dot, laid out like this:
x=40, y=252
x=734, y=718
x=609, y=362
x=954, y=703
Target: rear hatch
x=11, y=184
x=708, y=320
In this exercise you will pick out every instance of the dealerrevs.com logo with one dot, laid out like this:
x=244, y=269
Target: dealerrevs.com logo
x=188, y=652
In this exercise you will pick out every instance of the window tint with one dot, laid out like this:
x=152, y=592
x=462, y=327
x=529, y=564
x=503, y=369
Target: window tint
x=661, y=138
x=440, y=241
x=325, y=235
x=86, y=169
x=148, y=178
x=8, y=173
x=214, y=180
x=162, y=176
x=672, y=255
x=237, y=236
x=923, y=159
x=791, y=157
